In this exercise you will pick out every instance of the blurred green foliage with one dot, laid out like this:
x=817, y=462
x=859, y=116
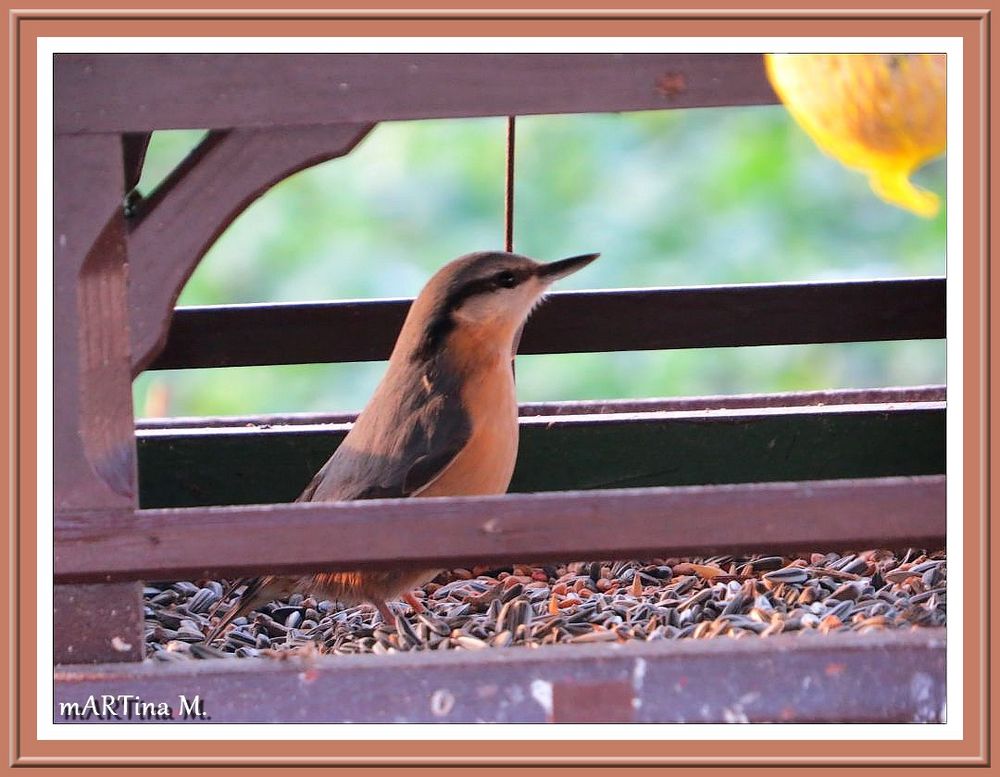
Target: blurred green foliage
x=672, y=198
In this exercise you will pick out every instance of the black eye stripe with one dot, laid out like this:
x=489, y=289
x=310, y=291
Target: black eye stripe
x=470, y=289
x=505, y=279
x=442, y=322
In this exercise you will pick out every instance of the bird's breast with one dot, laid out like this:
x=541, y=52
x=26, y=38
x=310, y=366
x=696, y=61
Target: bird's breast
x=486, y=463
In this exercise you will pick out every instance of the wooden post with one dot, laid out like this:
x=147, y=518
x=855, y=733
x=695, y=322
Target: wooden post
x=94, y=442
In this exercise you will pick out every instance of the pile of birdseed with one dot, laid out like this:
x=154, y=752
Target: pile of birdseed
x=580, y=602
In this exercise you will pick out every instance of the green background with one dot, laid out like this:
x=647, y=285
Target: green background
x=671, y=198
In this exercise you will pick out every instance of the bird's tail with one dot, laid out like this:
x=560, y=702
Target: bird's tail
x=258, y=591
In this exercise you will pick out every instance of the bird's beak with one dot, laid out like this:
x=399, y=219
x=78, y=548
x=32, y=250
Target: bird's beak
x=553, y=271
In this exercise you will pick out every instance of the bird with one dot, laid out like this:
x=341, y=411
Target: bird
x=441, y=422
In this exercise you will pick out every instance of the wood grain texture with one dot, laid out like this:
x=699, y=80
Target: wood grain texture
x=444, y=532
x=114, y=92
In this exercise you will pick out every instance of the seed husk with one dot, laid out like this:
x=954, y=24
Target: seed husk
x=523, y=605
x=787, y=575
x=604, y=635
x=851, y=591
x=470, y=643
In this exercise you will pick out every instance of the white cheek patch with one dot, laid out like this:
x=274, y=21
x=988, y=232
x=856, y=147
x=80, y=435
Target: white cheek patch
x=500, y=306
x=479, y=309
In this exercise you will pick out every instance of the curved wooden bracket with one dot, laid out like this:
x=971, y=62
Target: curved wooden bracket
x=175, y=227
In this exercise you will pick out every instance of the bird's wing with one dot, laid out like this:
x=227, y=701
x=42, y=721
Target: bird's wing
x=420, y=463
x=428, y=467
x=398, y=452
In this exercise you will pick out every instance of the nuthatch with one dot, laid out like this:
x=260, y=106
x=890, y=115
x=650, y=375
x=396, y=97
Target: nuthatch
x=443, y=420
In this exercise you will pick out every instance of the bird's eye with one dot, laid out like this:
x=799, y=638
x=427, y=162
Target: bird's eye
x=506, y=279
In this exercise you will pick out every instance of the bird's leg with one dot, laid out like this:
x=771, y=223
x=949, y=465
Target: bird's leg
x=413, y=601
x=388, y=618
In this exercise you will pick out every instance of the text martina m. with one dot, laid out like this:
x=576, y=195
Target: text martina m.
x=131, y=707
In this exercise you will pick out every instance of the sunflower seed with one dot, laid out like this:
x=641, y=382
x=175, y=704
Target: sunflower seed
x=787, y=575
x=470, y=643
x=595, y=636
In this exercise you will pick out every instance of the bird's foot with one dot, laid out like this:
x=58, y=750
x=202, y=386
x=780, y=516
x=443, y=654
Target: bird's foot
x=414, y=602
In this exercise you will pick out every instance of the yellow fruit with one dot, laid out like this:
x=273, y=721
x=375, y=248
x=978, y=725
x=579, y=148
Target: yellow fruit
x=883, y=114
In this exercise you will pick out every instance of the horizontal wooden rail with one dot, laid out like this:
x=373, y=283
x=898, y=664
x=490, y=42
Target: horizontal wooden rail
x=889, y=395
x=101, y=92
x=640, y=319
x=828, y=679
x=267, y=463
x=212, y=542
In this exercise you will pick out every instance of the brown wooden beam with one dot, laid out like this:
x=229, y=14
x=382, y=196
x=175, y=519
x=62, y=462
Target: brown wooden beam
x=174, y=228
x=592, y=407
x=211, y=542
x=573, y=322
x=100, y=92
x=99, y=623
x=896, y=676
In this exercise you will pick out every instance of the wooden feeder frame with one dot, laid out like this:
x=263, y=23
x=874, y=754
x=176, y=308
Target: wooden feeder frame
x=173, y=499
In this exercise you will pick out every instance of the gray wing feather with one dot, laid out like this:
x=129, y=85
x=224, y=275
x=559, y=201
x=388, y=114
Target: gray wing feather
x=419, y=432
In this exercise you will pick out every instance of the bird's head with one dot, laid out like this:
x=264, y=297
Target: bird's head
x=484, y=298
